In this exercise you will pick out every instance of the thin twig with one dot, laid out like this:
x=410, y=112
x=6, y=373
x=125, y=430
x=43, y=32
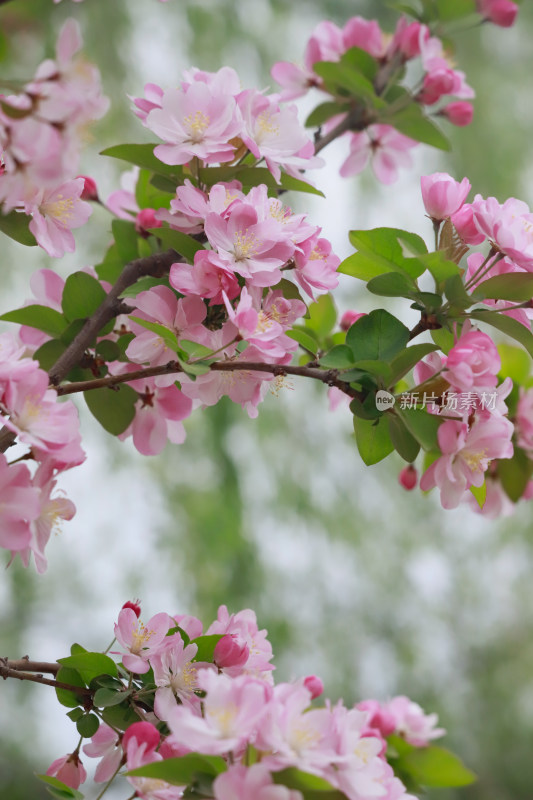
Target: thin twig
x=8, y=672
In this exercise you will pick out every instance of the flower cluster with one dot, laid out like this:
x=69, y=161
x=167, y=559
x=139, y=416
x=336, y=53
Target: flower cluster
x=226, y=704
x=41, y=133
x=210, y=119
x=28, y=509
x=439, y=83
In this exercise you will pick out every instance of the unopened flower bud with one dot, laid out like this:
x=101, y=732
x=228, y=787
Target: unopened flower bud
x=68, y=769
x=146, y=219
x=499, y=12
x=408, y=477
x=348, y=319
x=90, y=192
x=134, y=605
x=459, y=113
x=314, y=684
x=230, y=653
x=144, y=733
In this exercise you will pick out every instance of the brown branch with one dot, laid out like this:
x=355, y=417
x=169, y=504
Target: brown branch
x=32, y=666
x=7, y=671
x=329, y=377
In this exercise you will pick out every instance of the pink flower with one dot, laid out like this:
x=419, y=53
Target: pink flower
x=509, y=226
x=174, y=675
x=412, y=723
x=473, y=361
x=52, y=511
x=141, y=641
x=69, y=770
x=243, y=627
x=349, y=318
x=139, y=743
x=19, y=505
x=316, y=265
x=230, y=652
x=198, y=121
x=366, y=34
x=244, y=783
x=55, y=213
x=500, y=12
x=459, y=113
x=232, y=711
x=314, y=686
x=105, y=745
x=152, y=99
x=442, y=195
x=464, y=224
x=210, y=277
x=466, y=455
x=384, y=147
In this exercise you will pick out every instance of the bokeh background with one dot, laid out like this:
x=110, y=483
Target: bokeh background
x=377, y=590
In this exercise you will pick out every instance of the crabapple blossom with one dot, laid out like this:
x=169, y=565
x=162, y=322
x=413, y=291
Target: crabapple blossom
x=442, y=195
x=19, y=505
x=104, y=745
x=459, y=112
x=509, y=227
x=408, y=477
x=500, y=12
x=412, y=723
x=68, y=769
x=384, y=147
x=141, y=641
x=174, y=675
x=54, y=213
x=242, y=783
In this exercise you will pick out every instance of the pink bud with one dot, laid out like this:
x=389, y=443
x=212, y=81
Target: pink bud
x=90, y=192
x=459, y=113
x=463, y=222
x=314, y=684
x=146, y=219
x=442, y=195
x=69, y=770
x=378, y=717
x=500, y=12
x=348, y=319
x=229, y=653
x=144, y=733
x=408, y=477
x=134, y=605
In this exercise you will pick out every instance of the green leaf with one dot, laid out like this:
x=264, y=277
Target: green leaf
x=426, y=301
x=439, y=266
x=195, y=349
x=375, y=367
x=357, y=59
x=456, y=293
x=112, y=265
x=404, y=443
x=206, y=646
x=89, y=665
x=120, y=717
x=113, y=408
x=391, y=284
x=75, y=714
x=443, y=338
x=125, y=237
x=436, y=767
x=515, y=363
x=254, y=176
x=342, y=79
x=88, y=725
x=169, y=337
x=515, y=286
x=412, y=122
x=148, y=196
x=377, y=336
x=322, y=316
x=15, y=225
x=43, y=318
x=182, y=770
x=514, y=473
x=105, y=698
x=373, y=439
x=304, y=339
x=67, y=697
x=422, y=426
x=48, y=353
x=480, y=493
x=323, y=112
x=82, y=295
x=507, y=325
x=183, y=244
x=313, y=787
x=198, y=368
x=382, y=250
x=108, y=350
x=409, y=358
x=59, y=789
x=340, y=357
x=143, y=156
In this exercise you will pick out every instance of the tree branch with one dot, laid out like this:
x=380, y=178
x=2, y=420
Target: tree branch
x=7, y=671
x=329, y=377
x=32, y=666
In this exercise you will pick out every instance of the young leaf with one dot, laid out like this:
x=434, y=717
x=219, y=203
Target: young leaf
x=313, y=787
x=181, y=770
x=113, y=408
x=514, y=473
x=391, y=284
x=87, y=725
x=105, y=698
x=15, y=225
x=143, y=156
x=195, y=349
x=183, y=244
x=408, y=358
x=515, y=363
x=377, y=336
x=126, y=240
x=373, y=439
x=168, y=336
x=304, y=339
x=412, y=122
x=323, y=112
x=381, y=250
x=322, y=316
x=515, y=286
x=82, y=295
x=340, y=357
x=89, y=665
x=480, y=493
x=206, y=646
x=404, y=442
x=58, y=789
x=436, y=767
x=43, y=318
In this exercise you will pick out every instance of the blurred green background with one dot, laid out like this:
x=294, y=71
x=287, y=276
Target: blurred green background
x=379, y=591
